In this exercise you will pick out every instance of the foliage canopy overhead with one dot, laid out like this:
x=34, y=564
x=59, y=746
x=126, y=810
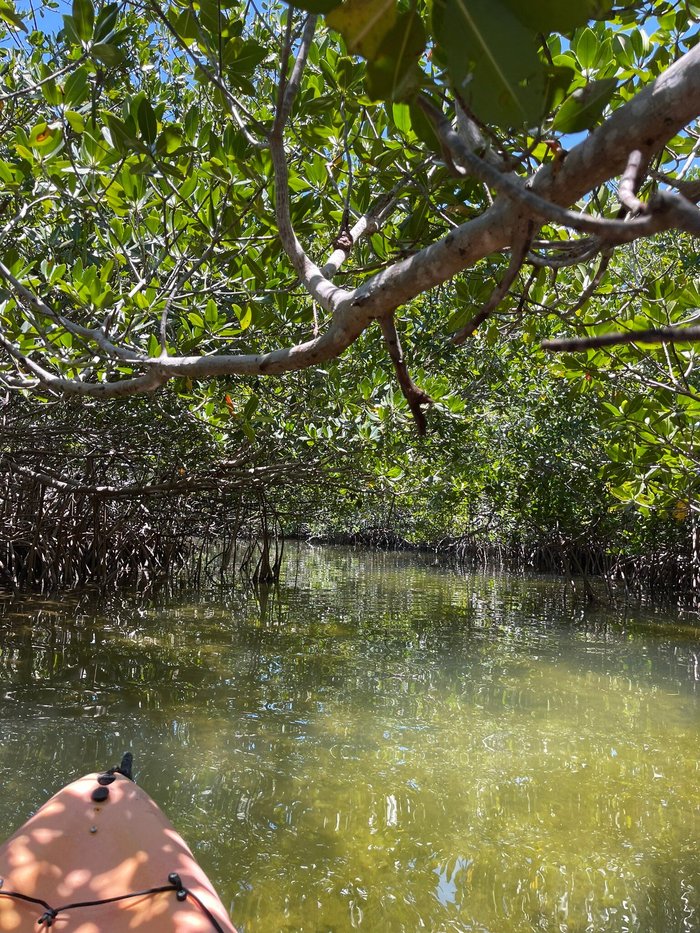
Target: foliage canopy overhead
x=201, y=189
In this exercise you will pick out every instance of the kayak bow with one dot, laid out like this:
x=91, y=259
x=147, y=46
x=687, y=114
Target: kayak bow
x=101, y=857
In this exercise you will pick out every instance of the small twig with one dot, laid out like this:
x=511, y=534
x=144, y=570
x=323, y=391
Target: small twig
x=592, y=248
x=521, y=243
x=689, y=189
x=414, y=395
x=594, y=283
x=23, y=92
x=652, y=335
x=232, y=103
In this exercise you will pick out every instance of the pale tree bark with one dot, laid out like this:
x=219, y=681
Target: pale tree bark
x=626, y=141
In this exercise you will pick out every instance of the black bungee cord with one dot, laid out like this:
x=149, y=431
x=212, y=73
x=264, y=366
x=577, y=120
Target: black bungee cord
x=174, y=884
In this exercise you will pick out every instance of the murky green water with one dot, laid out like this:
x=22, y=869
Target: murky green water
x=383, y=746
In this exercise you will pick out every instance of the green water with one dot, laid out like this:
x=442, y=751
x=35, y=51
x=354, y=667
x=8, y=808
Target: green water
x=382, y=745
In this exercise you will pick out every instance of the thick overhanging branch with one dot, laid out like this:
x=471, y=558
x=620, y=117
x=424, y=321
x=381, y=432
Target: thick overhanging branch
x=664, y=212
x=645, y=123
x=313, y=279
x=148, y=382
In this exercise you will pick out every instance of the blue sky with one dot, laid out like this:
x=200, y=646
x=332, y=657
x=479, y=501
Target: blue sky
x=48, y=20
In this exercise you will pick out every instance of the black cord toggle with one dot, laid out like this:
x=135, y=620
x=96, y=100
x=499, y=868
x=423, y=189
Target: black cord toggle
x=176, y=882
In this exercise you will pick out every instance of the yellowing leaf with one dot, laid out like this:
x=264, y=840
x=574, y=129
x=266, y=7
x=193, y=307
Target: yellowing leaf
x=681, y=510
x=363, y=24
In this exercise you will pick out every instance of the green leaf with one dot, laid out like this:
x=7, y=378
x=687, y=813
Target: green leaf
x=585, y=106
x=211, y=313
x=245, y=56
x=244, y=317
x=210, y=16
x=9, y=15
x=108, y=54
x=491, y=59
x=70, y=28
x=75, y=120
x=423, y=128
x=559, y=78
x=185, y=24
x=76, y=88
x=106, y=22
x=394, y=74
x=586, y=48
x=83, y=18
x=147, y=122
x=7, y=173
x=51, y=92
x=401, y=115
x=548, y=16
x=251, y=406
x=122, y=139
x=170, y=140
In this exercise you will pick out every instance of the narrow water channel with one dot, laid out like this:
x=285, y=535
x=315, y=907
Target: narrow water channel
x=381, y=744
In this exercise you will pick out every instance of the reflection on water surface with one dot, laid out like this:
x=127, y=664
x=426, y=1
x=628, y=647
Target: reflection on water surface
x=382, y=745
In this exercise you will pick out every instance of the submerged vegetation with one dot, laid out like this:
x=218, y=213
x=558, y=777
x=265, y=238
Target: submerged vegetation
x=408, y=272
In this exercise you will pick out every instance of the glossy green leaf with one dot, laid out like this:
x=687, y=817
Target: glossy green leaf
x=51, y=92
x=394, y=74
x=122, y=138
x=83, y=13
x=108, y=54
x=76, y=88
x=244, y=317
x=558, y=82
x=106, y=22
x=170, y=140
x=423, y=128
x=75, y=121
x=585, y=106
x=492, y=60
x=586, y=48
x=70, y=29
x=147, y=122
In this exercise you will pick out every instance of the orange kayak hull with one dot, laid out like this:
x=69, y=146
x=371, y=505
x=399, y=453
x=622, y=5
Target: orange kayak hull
x=78, y=849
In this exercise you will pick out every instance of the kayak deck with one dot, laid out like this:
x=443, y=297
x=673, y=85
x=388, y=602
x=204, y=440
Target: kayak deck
x=77, y=848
